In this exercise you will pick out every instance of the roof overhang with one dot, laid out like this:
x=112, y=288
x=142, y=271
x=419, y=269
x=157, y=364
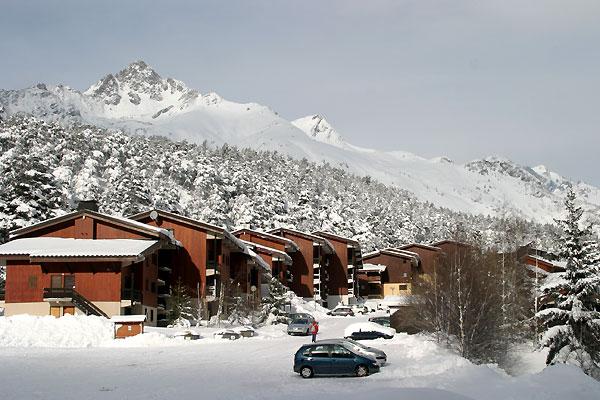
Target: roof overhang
x=50, y=249
x=178, y=218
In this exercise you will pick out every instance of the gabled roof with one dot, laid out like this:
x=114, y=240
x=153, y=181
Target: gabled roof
x=179, y=218
x=421, y=245
x=327, y=246
x=373, y=268
x=57, y=249
x=120, y=221
x=392, y=252
x=268, y=236
x=449, y=241
x=333, y=236
x=269, y=250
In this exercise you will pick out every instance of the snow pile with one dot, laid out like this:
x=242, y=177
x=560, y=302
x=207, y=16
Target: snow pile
x=368, y=327
x=299, y=305
x=48, y=331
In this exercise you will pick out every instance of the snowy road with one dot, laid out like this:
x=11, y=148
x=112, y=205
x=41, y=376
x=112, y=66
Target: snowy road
x=261, y=368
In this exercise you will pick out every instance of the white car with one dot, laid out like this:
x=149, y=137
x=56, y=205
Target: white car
x=360, y=309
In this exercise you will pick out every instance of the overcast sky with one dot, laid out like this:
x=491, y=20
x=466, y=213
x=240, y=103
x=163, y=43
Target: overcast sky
x=464, y=79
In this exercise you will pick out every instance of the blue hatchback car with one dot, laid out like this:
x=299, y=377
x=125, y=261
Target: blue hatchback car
x=322, y=358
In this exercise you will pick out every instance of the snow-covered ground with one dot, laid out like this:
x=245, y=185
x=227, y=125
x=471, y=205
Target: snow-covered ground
x=153, y=366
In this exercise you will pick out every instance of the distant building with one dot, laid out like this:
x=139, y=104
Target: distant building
x=343, y=264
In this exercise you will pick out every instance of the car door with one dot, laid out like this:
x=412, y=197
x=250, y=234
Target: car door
x=342, y=360
x=320, y=359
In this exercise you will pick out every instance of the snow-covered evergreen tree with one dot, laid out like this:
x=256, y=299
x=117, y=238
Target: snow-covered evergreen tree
x=180, y=305
x=274, y=303
x=572, y=321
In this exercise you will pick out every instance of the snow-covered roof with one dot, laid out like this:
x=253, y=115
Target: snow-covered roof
x=94, y=214
x=50, y=247
x=270, y=236
x=373, y=268
x=324, y=242
x=392, y=252
x=127, y=318
x=338, y=237
x=258, y=259
x=282, y=254
x=425, y=246
x=178, y=217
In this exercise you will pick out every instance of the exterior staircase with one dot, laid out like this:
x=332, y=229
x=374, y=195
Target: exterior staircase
x=72, y=296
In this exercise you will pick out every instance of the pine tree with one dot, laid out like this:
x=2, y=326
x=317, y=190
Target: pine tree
x=572, y=322
x=180, y=306
x=274, y=303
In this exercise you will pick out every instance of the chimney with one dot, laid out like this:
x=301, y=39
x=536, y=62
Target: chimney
x=91, y=205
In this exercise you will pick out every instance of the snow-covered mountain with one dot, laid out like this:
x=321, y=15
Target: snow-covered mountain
x=138, y=100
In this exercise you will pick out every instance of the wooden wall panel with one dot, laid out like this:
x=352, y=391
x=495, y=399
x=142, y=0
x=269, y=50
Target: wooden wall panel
x=189, y=262
x=338, y=269
x=396, y=268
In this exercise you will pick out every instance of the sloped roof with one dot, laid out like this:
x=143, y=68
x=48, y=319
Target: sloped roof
x=424, y=246
x=336, y=237
x=315, y=238
x=50, y=247
x=179, y=218
x=270, y=250
x=117, y=220
x=268, y=236
x=373, y=268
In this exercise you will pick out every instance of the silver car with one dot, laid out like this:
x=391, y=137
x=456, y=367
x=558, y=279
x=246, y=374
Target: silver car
x=299, y=327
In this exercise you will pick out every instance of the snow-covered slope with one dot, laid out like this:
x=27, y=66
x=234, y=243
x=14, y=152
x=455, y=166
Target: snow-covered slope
x=138, y=100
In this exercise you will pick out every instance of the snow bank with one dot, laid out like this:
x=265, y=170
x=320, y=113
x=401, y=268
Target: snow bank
x=299, y=305
x=368, y=327
x=48, y=331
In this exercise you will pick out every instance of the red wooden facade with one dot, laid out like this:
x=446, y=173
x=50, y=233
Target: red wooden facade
x=96, y=278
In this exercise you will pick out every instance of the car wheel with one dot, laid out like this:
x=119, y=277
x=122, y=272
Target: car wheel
x=361, y=371
x=306, y=372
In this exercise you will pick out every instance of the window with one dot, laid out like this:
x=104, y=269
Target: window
x=151, y=315
x=405, y=274
x=69, y=281
x=55, y=281
x=32, y=281
x=402, y=287
x=320, y=351
x=341, y=352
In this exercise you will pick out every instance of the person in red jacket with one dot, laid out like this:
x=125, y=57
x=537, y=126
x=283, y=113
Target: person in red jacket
x=314, y=329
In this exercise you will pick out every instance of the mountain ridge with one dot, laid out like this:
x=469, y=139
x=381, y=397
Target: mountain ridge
x=138, y=100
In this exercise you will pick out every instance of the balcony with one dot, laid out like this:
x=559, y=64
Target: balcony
x=164, y=268
x=212, y=268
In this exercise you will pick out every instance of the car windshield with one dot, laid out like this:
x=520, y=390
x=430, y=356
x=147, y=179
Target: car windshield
x=357, y=344
x=300, y=321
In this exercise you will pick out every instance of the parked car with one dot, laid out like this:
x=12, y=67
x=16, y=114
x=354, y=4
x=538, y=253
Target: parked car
x=343, y=311
x=325, y=358
x=360, y=309
x=227, y=334
x=299, y=327
x=371, y=304
x=368, y=331
x=377, y=354
x=383, y=321
x=295, y=316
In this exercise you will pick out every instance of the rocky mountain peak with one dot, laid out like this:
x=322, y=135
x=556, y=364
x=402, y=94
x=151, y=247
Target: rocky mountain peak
x=318, y=128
